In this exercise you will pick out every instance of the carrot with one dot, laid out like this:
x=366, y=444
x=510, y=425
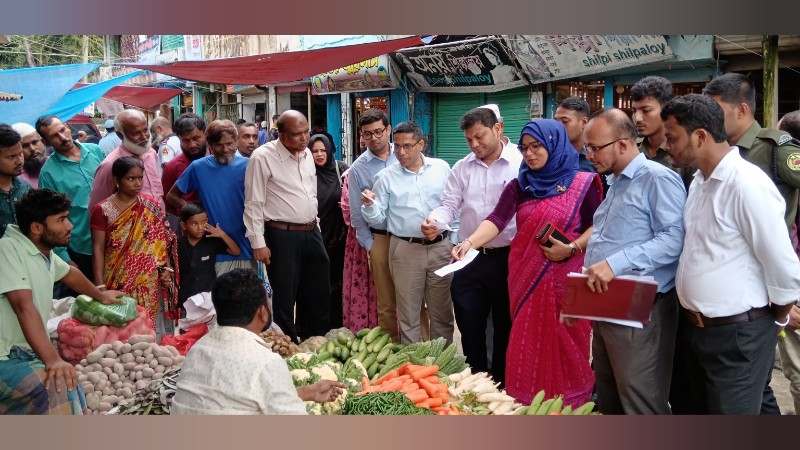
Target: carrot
x=410, y=387
x=392, y=385
x=425, y=371
x=434, y=379
x=417, y=396
x=392, y=374
x=431, y=402
x=430, y=388
x=365, y=384
x=404, y=378
x=410, y=368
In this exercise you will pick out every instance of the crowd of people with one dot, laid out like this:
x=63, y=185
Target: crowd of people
x=689, y=190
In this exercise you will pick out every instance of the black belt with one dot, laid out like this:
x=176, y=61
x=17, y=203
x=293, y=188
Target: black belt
x=377, y=231
x=700, y=321
x=286, y=226
x=423, y=241
x=492, y=250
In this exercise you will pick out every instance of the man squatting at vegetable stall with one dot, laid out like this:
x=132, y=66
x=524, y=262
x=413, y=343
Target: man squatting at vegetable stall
x=33, y=377
x=231, y=370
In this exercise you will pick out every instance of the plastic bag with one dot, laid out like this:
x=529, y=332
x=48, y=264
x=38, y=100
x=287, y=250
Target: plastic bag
x=76, y=339
x=185, y=341
x=92, y=312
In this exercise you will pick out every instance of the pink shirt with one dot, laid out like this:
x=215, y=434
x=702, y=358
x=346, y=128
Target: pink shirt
x=34, y=182
x=473, y=190
x=103, y=185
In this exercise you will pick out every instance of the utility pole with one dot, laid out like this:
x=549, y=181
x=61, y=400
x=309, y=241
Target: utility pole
x=769, y=47
x=28, y=54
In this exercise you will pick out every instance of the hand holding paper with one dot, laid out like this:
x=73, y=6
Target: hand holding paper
x=458, y=265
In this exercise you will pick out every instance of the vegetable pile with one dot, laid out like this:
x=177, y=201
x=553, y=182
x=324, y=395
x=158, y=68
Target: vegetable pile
x=76, y=339
x=382, y=404
x=308, y=368
x=154, y=400
x=92, y=312
x=280, y=343
x=478, y=394
x=420, y=384
x=554, y=407
x=114, y=372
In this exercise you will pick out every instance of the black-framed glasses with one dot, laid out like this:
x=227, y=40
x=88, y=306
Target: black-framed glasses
x=407, y=147
x=373, y=134
x=533, y=145
x=596, y=148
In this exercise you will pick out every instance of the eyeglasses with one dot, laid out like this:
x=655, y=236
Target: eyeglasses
x=533, y=146
x=407, y=147
x=595, y=148
x=373, y=134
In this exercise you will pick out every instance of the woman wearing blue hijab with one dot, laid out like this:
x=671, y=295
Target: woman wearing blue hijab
x=544, y=353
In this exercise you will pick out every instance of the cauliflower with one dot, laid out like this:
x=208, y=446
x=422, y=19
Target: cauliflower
x=300, y=376
x=314, y=408
x=325, y=372
x=335, y=407
x=298, y=360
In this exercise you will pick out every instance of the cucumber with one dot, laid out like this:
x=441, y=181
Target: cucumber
x=362, y=355
x=362, y=333
x=567, y=410
x=536, y=402
x=556, y=406
x=345, y=355
x=337, y=352
x=379, y=343
x=323, y=356
x=330, y=346
x=372, y=335
x=542, y=410
x=369, y=360
x=354, y=345
x=342, y=338
x=373, y=370
x=384, y=353
x=585, y=409
x=363, y=345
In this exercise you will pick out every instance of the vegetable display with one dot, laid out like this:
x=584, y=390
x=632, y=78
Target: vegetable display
x=382, y=404
x=420, y=384
x=154, y=400
x=478, y=394
x=76, y=339
x=91, y=312
x=280, y=343
x=113, y=372
x=554, y=407
x=308, y=368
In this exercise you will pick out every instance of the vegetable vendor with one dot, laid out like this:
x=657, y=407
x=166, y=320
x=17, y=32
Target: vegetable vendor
x=33, y=377
x=231, y=371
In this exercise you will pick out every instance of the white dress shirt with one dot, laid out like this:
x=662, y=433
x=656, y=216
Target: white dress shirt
x=280, y=186
x=737, y=254
x=473, y=190
x=230, y=371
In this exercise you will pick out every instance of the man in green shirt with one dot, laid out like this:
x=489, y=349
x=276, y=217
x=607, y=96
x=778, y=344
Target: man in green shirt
x=70, y=170
x=33, y=377
x=773, y=151
x=11, y=187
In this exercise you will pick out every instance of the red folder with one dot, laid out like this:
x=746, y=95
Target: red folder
x=626, y=299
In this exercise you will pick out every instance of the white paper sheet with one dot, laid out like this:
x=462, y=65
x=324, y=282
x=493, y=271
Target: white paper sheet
x=458, y=265
x=627, y=323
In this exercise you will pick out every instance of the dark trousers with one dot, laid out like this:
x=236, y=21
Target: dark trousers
x=633, y=367
x=723, y=369
x=299, y=275
x=478, y=289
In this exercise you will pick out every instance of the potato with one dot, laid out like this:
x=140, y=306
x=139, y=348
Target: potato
x=118, y=368
x=158, y=375
x=112, y=399
x=104, y=407
x=103, y=348
x=78, y=367
x=108, y=370
x=173, y=350
x=110, y=354
x=118, y=385
x=160, y=369
x=141, y=338
x=126, y=358
x=87, y=387
x=161, y=351
x=141, y=346
x=108, y=390
x=126, y=348
x=129, y=366
x=94, y=357
x=82, y=378
x=147, y=372
x=125, y=392
x=138, y=376
x=113, y=378
x=140, y=359
x=165, y=361
x=95, y=367
x=137, y=353
x=178, y=360
x=93, y=400
x=93, y=378
x=153, y=363
x=84, y=363
x=141, y=384
x=107, y=362
x=116, y=346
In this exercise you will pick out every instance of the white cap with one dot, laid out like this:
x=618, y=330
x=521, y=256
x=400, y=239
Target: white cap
x=495, y=109
x=264, y=124
x=23, y=129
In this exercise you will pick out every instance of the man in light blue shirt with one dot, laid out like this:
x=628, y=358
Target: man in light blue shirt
x=638, y=230
x=375, y=131
x=404, y=194
x=110, y=141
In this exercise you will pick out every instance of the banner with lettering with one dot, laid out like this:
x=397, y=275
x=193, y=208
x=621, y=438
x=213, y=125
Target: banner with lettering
x=477, y=65
x=549, y=57
x=370, y=75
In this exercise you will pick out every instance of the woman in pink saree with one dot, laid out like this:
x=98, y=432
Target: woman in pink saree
x=543, y=352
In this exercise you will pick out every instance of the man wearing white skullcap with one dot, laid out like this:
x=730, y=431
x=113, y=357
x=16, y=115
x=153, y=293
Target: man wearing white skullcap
x=34, y=150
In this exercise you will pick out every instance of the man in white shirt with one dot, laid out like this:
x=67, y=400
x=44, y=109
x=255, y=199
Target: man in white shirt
x=738, y=276
x=471, y=193
x=166, y=143
x=231, y=370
